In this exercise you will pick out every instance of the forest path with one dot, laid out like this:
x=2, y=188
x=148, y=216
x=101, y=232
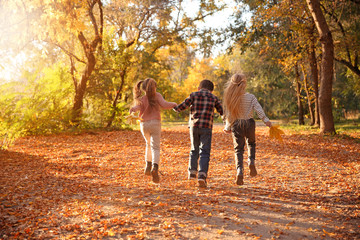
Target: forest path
x=92, y=185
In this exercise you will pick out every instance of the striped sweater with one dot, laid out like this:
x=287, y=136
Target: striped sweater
x=249, y=105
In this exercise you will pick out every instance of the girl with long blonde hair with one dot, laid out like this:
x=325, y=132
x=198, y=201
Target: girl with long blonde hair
x=239, y=107
x=149, y=103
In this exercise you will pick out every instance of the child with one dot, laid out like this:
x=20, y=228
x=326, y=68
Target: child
x=202, y=104
x=149, y=106
x=239, y=106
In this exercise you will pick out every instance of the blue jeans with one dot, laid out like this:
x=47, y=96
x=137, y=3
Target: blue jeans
x=200, y=146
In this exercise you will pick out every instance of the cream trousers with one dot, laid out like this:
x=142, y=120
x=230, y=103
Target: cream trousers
x=151, y=130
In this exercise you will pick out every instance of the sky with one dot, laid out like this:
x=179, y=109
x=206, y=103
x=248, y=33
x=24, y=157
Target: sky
x=218, y=20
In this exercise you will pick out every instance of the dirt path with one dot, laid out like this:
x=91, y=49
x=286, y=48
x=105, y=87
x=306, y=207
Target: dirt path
x=92, y=186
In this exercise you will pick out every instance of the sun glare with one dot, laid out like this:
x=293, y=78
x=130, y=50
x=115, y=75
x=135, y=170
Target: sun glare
x=10, y=69
x=13, y=27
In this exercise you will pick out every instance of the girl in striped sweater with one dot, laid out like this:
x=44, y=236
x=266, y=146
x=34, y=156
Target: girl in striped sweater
x=239, y=107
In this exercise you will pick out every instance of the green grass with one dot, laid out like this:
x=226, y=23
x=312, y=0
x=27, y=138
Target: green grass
x=345, y=129
x=348, y=125
x=340, y=126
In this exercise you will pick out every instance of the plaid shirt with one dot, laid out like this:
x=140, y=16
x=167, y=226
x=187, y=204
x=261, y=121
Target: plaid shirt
x=202, y=104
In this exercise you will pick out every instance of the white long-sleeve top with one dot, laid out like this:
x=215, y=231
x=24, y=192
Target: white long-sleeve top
x=249, y=105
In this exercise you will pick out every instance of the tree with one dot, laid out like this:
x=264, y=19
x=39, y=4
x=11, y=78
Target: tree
x=314, y=73
x=344, y=17
x=298, y=97
x=309, y=95
x=145, y=27
x=72, y=28
x=277, y=32
x=89, y=49
x=327, y=67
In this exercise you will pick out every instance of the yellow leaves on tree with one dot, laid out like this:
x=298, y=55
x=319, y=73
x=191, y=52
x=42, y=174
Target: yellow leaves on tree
x=201, y=70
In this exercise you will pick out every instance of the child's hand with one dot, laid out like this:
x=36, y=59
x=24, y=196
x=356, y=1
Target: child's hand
x=268, y=124
x=133, y=119
x=227, y=131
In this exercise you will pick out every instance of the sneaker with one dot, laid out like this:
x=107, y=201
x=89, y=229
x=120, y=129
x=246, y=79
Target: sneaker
x=192, y=176
x=253, y=171
x=240, y=179
x=202, y=181
x=147, y=170
x=155, y=173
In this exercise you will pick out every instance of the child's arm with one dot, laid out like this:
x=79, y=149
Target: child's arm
x=268, y=123
x=184, y=105
x=135, y=109
x=260, y=112
x=163, y=103
x=219, y=107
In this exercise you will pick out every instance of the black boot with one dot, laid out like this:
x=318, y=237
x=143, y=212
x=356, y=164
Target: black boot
x=155, y=173
x=148, y=169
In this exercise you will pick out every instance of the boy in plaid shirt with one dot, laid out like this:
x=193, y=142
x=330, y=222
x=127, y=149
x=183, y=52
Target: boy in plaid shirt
x=202, y=104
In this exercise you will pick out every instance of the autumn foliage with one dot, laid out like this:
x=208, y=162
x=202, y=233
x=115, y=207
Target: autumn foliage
x=92, y=186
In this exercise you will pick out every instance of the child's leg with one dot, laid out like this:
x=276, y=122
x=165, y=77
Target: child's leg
x=238, y=135
x=194, y=151
x=155, y=143
x=155, y=132
x=250, y=139
x=205, y=149
x=146, y=134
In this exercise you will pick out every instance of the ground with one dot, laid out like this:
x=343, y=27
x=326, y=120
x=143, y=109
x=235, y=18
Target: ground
x=91, y=186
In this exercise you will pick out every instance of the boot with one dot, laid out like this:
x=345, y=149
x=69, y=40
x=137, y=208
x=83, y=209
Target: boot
x=251, y=160
x=155, y=173
x=253, y=171
x=252, y=167
x=240, y=177
x=148, y=169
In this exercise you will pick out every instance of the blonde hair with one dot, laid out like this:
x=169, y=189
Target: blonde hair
x=148, y=86
x=234, y=90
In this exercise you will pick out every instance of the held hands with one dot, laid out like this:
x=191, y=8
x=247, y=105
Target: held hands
x=131, y=110
x=227, y=131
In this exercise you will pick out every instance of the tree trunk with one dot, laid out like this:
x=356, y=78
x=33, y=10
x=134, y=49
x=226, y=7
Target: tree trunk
x=314, y=76
x=327, y=67
x=118, y=95
x=89, y=49
x=309, y=97
x=80, y=89
x=298, y=96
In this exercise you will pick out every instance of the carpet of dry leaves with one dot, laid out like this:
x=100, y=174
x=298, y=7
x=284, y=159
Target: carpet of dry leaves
x=92, y=186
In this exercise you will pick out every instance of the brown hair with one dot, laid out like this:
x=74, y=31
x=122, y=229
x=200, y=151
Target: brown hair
x=207, y=84
x=148, y=86
x=234, y=90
